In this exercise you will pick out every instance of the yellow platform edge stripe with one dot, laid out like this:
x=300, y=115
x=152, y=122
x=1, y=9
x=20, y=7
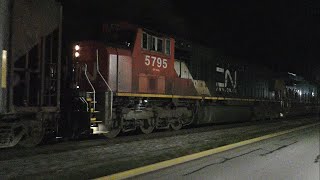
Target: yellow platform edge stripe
x=187, y=97
x=183, y=159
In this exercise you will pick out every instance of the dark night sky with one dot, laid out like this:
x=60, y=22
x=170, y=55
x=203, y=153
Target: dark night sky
x=284, y=33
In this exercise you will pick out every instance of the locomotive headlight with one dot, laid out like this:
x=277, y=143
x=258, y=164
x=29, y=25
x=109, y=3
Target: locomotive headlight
x=77, y=47
x=76, y=54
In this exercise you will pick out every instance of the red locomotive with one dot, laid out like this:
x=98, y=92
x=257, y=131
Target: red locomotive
x=131, y=79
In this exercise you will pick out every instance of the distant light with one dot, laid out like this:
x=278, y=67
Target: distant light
x=78, y=87
x=312, y=94
x=4, y=54
x=4, y=68
x=292, y=74
x=300, y=92
x=145, y=101
x=76, y=54
x=77, y=47
x=281, y=115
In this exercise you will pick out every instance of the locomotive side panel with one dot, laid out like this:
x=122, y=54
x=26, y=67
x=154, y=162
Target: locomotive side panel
x=221, y=74
x=152, y=66
x=203, y=65
x=119, y=68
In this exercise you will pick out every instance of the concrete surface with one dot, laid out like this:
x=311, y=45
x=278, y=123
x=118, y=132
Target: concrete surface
x=292, y=156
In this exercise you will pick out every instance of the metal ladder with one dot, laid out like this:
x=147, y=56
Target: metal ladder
x=90, y=99
x=98, y=126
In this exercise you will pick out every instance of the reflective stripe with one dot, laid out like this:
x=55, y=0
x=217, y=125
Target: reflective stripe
x=188, y=97
x=4, y=69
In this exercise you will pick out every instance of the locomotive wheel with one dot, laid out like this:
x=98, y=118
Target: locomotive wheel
x=147, y=126
x=115, y=128
x=34, y=133
x=176, y=125
x=113, y=133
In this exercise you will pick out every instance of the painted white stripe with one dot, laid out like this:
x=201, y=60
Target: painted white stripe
x=219, y=84
x=219, y=69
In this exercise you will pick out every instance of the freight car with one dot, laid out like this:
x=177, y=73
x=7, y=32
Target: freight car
x=134, y=78
x=30, y=49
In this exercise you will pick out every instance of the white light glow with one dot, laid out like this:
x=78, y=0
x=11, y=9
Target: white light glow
x=77, y=47
x=292, y=74
x=312, y=94
x=3, y=79
x=281, y=115
x=76, y=54
x=4, y=55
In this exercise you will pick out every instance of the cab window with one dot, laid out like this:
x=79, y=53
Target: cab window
x=154, y=43
x=159, y=45
x=167, y=50
x=145, y=41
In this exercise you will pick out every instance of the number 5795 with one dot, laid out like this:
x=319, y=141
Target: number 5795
x=155, y=61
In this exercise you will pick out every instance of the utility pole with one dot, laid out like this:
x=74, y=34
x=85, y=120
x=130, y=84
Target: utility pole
x=10, y=59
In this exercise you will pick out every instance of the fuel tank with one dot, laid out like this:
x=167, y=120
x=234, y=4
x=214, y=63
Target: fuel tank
x=223, y=113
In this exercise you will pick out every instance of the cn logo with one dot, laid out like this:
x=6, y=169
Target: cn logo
x=226, y=86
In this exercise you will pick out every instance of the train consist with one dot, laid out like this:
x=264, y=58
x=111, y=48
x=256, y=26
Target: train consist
x=137, y=82
x=134, y=78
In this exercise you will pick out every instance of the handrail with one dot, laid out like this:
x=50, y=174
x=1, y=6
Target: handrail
x=94, y=91
x=104, y=80
x=98, y=70
x=84, y=101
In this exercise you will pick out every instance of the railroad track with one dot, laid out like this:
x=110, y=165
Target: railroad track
x=64, y=145
x=99, y=157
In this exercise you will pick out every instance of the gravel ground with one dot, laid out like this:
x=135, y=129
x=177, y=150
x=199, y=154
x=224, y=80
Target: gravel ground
x=90, y=159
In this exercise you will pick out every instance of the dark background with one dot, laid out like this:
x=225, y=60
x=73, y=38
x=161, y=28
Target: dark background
x=283, y=35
